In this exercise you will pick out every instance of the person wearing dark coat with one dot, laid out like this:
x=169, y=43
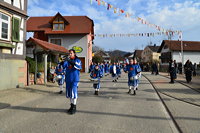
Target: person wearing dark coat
x=188, y=71
x=172, y=71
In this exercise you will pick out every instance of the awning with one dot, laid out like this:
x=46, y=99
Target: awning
x=46, y=46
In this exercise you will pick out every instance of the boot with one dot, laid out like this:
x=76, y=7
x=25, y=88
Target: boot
x=134, y=92
x=129, y=91
x=73, y=110
x=70, y=109
x=95, y=93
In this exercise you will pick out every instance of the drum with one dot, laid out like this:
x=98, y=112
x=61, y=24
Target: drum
x=58, y=77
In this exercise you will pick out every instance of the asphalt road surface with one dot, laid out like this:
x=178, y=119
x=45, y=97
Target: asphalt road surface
x=113, y=111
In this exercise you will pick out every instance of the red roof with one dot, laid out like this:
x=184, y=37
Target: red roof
x=47, y=46
x=176, y=45
x=76, y=25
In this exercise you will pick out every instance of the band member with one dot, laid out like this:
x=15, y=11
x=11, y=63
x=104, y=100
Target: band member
x=118, y=67
x=102, y=68
x=133, y=69
x=72, y=67
x=113, y=71
x=60, y=76
x=106, y=68
x=96, y=75
x=92, y=65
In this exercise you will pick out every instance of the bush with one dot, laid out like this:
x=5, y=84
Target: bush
x=97, y=59
x=40, y=65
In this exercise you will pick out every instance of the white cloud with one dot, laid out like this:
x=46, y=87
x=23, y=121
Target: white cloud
x=172, y=14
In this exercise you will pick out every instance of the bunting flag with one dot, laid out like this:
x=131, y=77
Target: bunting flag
x=128, y=15
x=138, y=34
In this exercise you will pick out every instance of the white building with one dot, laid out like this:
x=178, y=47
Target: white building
x=171, y=50
x=13, y=67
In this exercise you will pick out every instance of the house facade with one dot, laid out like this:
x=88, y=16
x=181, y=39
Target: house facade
x=13, y=15
x=149, y=54
x=171, y=50
x=138, y=55
x=71, y=32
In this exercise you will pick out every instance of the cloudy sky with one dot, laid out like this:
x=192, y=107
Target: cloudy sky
x=181, y=15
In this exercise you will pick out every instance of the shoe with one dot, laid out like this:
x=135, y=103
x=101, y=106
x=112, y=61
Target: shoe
x=95, y=93
x=136, y=88
x=115, y=80
x=73, y=110
x=70, y=109
x=134, y=92
x=129, y=91
x=60, y=92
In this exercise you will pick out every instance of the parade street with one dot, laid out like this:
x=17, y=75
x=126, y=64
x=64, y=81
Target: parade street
x=39, y=108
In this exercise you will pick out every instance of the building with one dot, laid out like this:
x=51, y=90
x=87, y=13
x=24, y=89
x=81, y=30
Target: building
x=171, y=50
x=71, y=32
x=13, y=15
x=138, y=55
x=149, y=54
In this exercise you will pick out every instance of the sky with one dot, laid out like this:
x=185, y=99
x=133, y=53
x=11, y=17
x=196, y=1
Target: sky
x=183, y=15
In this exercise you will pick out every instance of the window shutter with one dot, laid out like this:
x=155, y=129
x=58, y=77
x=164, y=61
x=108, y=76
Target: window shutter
x=15, y=29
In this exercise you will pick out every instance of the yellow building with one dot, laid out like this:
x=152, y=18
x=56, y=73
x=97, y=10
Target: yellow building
x=149, y=54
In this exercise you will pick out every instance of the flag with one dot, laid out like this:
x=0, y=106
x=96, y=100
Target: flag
x=99, y=3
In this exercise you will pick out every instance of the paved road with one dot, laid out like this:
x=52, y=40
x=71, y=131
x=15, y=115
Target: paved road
x=113, y=111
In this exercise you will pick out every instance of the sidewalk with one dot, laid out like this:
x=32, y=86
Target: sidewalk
x=182, y=101
x=14, y=96
x=195, y=84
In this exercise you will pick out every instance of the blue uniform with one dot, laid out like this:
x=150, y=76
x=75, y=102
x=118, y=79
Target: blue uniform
x=118, y=70
x=60, y=71
x=96, y=74
x=72, y=72
x=102, y=69
x=133, y=70
x=106, y=68
x=112, y=71
x=91, y=68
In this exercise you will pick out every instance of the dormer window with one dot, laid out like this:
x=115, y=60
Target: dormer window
x=58, y=24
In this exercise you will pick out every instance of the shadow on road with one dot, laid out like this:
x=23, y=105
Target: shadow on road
x=46, y=110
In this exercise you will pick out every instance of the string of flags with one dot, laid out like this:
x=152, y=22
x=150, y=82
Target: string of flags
x=135, y=34
x=129, y=15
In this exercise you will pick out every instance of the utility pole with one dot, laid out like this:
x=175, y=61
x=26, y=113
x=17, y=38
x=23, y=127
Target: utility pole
x=182, y=56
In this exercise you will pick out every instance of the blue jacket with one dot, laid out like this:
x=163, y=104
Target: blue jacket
x=132, y=69
x=96, y=74
x=72, y=70
x=59, y=69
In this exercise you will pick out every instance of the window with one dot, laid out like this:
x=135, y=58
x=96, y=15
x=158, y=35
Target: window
x=56, y=41
x=58, y=24
x=4, y=26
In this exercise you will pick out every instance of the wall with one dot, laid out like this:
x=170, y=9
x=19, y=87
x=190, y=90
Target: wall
x=194, y=57
x=13, y=73
x=68, y=41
